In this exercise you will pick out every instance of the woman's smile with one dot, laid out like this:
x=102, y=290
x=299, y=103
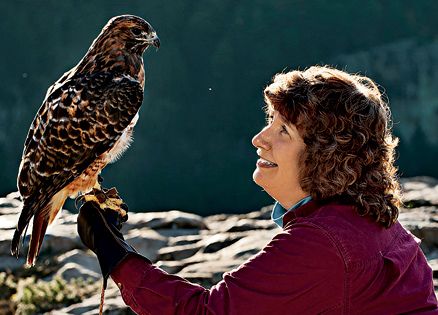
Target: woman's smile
x=261, y=162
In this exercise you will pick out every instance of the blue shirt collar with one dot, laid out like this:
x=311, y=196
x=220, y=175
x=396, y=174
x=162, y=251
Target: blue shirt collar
x=279, y=212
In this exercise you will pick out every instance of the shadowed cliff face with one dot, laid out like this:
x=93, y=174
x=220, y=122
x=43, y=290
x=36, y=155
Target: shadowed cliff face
x=408, y=71
x=203, y=97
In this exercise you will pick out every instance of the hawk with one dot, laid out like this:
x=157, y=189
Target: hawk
x=85, y=122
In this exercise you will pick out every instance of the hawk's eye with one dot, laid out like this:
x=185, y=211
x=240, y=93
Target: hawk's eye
x=136, y=31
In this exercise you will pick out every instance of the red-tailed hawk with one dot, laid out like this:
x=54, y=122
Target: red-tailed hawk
x=84, y=123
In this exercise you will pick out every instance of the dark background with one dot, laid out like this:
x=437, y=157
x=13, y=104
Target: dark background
x=203, y=99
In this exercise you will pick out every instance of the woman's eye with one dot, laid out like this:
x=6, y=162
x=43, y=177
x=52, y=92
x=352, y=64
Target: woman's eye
x=136, y=31
x=283, y=129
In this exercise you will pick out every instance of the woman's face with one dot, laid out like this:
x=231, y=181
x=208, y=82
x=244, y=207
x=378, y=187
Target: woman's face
x=279, y=147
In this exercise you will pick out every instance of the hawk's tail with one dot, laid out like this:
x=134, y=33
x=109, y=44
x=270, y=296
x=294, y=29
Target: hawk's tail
x=40, y=223
x=23, y=222
x=43, y=217
x=16, y=242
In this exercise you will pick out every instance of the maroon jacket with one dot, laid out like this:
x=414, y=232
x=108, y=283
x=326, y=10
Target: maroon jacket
x=328, y=260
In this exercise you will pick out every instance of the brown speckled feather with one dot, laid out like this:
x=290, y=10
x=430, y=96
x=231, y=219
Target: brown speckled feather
x=85, y=122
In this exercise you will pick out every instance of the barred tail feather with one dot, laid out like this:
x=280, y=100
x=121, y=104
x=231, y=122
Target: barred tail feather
x=42, y=218
x=23, y=224
x=16, y=242
x=40, y=223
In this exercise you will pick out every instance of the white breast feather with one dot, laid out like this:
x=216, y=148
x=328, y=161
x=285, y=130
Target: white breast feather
x=123, y=143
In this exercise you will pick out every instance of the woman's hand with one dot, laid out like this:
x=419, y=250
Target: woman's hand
x=99, y=230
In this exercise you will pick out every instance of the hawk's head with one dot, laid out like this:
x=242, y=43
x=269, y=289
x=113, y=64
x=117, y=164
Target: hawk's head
x=128, y=32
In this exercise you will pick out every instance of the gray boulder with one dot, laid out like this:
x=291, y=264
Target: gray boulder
x=172, y=219
x=420, y=191
x=146, y=241
x=113, y=305
x=78, y=264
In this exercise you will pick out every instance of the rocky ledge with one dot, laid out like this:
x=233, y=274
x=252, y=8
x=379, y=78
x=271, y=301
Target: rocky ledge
x=66, y=279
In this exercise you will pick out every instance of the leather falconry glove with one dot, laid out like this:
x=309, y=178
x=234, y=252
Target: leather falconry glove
x=99, y=230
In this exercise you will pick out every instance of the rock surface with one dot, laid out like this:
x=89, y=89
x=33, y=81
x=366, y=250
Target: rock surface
x=199, y=249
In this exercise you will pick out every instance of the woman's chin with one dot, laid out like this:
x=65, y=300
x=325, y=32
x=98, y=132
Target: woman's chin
x=258, y=178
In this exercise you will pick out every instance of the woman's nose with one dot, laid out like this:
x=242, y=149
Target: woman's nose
x=260, y=140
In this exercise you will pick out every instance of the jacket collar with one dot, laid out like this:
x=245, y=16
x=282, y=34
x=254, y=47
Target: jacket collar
x=278, y=212
x=313, y=206
x=303, y=211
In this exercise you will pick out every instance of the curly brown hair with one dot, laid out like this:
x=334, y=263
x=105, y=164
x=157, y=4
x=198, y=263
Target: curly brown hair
x=345, y=123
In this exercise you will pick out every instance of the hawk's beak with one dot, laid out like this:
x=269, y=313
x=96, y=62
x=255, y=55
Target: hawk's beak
x=156, y=42
x=153, y=40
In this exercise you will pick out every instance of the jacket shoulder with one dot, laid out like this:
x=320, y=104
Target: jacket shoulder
x=359, y=238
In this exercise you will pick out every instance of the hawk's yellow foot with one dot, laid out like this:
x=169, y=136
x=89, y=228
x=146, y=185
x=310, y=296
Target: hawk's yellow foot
x=106, y=199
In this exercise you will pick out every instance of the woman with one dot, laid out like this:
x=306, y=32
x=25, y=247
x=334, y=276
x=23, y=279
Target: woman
x=326, y=156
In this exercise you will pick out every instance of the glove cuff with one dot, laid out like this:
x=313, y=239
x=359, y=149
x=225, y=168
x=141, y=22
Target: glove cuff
x=111, y=249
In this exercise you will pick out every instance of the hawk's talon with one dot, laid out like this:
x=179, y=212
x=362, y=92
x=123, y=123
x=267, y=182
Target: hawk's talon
x=112, y=193
x=107, y=199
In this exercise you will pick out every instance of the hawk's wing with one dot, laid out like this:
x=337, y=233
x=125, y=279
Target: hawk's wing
x=78, y=121
x=44, y=108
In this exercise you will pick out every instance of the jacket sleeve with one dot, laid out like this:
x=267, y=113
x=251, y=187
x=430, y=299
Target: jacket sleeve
x=300, y=271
